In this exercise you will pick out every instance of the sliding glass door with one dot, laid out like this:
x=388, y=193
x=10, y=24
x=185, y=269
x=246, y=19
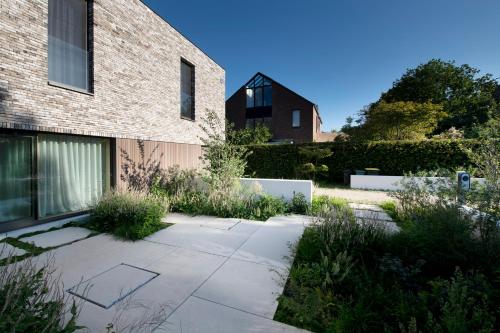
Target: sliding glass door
x=73, y=173
x=44, y=176
x=16, y=161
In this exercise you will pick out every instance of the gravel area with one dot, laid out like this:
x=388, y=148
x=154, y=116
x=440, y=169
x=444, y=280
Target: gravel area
x=358, y=196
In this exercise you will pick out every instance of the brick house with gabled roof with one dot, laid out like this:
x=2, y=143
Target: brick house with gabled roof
x=289, y=116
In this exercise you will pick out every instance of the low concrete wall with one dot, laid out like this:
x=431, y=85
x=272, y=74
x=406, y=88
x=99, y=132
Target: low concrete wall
x=389, y=183
x=282, y=188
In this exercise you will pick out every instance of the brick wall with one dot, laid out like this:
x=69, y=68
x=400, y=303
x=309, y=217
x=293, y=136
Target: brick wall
x=284, y=102
x=137, y=59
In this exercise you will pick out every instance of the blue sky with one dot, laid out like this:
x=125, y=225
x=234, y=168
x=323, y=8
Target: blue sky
x=340, y=54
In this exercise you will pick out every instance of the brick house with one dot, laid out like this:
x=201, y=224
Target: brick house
x=80, y=82
x=289, y=116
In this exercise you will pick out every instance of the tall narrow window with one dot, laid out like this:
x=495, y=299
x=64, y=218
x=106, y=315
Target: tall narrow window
x=68, y=43
x=187, y=90
x=250, y=103
x=296, y=118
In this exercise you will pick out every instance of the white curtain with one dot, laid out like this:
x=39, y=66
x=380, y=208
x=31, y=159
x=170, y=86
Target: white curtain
x=73, y=173
x=15, y=178
x=68, y=42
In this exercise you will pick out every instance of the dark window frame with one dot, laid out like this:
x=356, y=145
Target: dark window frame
x=193, y=90
x=262, y=83
x=90, y=56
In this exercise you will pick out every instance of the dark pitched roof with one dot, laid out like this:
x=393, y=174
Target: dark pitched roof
x=284, y=87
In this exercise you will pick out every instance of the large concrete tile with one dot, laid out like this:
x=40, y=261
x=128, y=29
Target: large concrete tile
x=113, y=285
x=372, y=215
x=245, y=286
x=270, y=244
x=181, y=273
x=57, y=237
x=9, y=250
x=81, y=260
x=213, y=241
x=201, y=316
x=202, y=221
x=371, y=207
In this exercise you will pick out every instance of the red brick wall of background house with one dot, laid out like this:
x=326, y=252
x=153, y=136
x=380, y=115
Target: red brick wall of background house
x=236, y=109
x=284, y=102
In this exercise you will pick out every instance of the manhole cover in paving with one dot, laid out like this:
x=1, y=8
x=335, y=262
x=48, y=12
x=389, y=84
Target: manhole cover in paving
x=113, y=285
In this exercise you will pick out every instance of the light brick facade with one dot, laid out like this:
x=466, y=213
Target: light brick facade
x=137, y=59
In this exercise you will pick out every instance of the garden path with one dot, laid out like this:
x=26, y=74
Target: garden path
x=203, y=274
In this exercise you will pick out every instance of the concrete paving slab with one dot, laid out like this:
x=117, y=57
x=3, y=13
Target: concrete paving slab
x=202, y=221
x=57, y=237
x=181, y=272
x=270, y=244
x=370, y=207
x=214, y=241
x=82, y=260
x=387, y=226
x=113, y=285
x=245, y=286
x=201, y=316
x=372, y=215
x=7, y=250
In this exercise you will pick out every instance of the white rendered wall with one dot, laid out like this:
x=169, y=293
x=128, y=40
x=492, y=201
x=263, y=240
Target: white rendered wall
x=389, y=183
x=281, y=188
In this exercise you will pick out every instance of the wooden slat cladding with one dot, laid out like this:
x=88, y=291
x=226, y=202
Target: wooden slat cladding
x=186, y=156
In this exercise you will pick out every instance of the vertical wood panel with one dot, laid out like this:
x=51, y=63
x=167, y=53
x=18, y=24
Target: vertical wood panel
x=169, y=154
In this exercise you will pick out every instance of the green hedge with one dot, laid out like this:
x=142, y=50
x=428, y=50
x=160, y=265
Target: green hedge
x=393, y=158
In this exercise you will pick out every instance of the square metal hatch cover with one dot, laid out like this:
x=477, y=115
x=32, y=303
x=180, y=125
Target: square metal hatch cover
x=113, y=285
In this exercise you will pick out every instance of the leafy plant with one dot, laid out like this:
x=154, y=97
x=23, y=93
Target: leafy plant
x=131, y=215
x=139, y=176
x=32, y=299
x=249, y=136
x=299, y=204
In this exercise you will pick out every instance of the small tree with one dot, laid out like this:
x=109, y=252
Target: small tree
x=312, y=167
x=248, y=136
x=223, y=161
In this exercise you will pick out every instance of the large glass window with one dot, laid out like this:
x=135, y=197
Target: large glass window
x=187, y=90
x=15, y=177
x=296, y=118
x=68, y=56
x=73, y=173
x=259, y=92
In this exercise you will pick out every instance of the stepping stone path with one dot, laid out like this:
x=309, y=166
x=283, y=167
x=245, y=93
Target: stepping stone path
x=374, y=214
x=57, y=237
x=7, y=249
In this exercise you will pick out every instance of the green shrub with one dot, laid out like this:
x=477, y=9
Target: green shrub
x=267, y=206
x=130, y=215
x=323, y=204
x=434, y=276
x=299, y=204
x=391, y=157
x=32, y=299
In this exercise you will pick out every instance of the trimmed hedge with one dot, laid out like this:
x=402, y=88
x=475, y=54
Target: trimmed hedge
x=393, y=158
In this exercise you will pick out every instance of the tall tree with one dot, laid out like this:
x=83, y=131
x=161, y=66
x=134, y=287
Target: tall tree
x=467, y=97
x=397, y=121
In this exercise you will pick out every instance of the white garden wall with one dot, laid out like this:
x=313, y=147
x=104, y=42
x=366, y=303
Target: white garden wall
x=390, y=183
x=281, y=188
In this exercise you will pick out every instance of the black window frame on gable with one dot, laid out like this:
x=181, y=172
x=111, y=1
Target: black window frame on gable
x=189, y=113
x=70, y=57
x=259, y=92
